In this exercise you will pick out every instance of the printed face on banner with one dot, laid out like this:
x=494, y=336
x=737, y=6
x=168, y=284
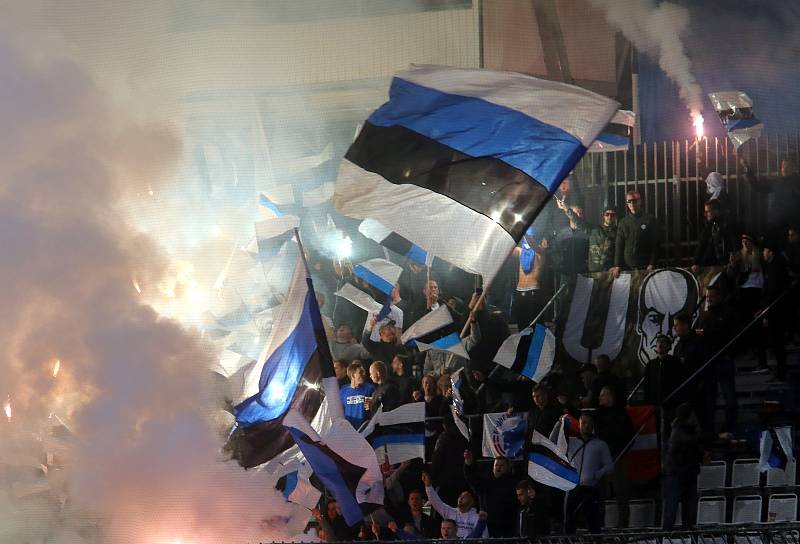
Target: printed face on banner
x=663, y=294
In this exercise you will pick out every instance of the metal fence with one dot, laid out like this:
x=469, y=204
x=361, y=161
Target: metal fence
x=671, y=175
x=767, y=533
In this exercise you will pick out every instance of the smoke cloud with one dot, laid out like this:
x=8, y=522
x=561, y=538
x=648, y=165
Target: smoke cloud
x=140, y=464
x=657, y=29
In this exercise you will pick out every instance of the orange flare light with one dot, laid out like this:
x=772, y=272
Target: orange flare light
x=56, y=367
x=698, y=126
x=136, y=285
x=8, y=409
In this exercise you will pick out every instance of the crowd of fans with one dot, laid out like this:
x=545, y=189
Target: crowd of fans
x=469, y=497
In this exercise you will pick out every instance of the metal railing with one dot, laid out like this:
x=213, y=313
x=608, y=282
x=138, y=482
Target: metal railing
x=671, y=176
x=757, y=533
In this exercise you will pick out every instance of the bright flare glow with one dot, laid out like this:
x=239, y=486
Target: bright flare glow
x=276, y=391
x=8, y=409
x=344, y=248
x=698, y=126
x=56, y=367
x=136, y=285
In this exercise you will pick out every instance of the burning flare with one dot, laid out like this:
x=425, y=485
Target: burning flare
x=698, y=121
x=8, y=409
x=56, y=367
x=136, y=285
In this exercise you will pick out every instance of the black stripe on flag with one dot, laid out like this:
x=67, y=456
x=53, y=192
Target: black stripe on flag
x=542, y=450
x=487, y=185
x=255, y=445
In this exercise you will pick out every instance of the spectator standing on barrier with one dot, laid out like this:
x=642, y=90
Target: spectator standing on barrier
x=638, y=237
x=772, y=335
x=684, y=456
x=464, y=514
x=591, y=457
x=602, y=238
x=354, y=395
x=496, y=493
x=716, y=327
x=615, y=428
x=532, y=519
x=529, y=296
x=717, y=239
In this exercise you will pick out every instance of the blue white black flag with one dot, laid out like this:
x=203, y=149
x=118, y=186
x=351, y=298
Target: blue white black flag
x=391, y=240
x=530, y=352
x=344, y=462
x=460, y=161
x=548, y=464
x=397, y=435
x=616, y=135
x=776, y=449
x=735, y=110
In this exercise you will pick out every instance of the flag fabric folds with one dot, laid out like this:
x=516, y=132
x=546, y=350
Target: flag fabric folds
x=359, y=298
x=391, y=240
x=776, y=449
x=430, y=322
x=266, y=203
x=504, y=435
x=616, y=135
x=344, y=462
x=457, y=407
x=450, y=343
x=735, y=110
x=296, y=487
x=548, y=464
x=271, y=234
x=397, y=435
x=642, y=461
x=292, y=370
x=461, y=161
x=380, y=274
x=530, y=352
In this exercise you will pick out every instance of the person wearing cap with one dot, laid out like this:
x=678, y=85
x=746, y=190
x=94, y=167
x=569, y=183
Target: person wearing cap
x=602, y=238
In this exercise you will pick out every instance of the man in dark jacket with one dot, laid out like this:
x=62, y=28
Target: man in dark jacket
x=638, y=237
x=662, y=376
x=690, y=352
x=681, y=468
x=532, y=519
x=544, y=414
x=447, y=460
x=718, y=239
x=496, y=493
x=424, y=525
x=386, y=393
x=776, y=281
x=602, y=238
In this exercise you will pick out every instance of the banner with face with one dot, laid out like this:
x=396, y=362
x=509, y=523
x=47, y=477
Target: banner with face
x=622, y=317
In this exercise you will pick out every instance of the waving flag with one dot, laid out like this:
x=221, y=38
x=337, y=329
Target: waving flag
x=292, y=370
x=450, y=343
x=735, y=110
x=267, y=204
x=344, y=462
x=504, y=435
x=616, y=135
x=461, y=161
x=530, y=352
x=430, y=322
x=391, y=240
x=271, y=234
x=397, y=435
x=776, y=449
x=295, y=486
x=380, y=275
x=359, y=298
x=547, y=459
x=457, y=408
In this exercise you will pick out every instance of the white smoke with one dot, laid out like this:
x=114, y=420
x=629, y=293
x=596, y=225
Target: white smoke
x=142, y=466
x=658, y=30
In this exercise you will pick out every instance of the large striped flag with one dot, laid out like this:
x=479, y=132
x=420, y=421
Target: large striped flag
x=460, y=162
x=292, y=371
x=616, y=136
x=397, y=435
x=530, y=352
x=427, y=324
x=450, y=343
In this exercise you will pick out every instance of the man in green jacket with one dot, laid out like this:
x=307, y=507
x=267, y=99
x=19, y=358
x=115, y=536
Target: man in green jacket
x=602, y=237
x=638, y=237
